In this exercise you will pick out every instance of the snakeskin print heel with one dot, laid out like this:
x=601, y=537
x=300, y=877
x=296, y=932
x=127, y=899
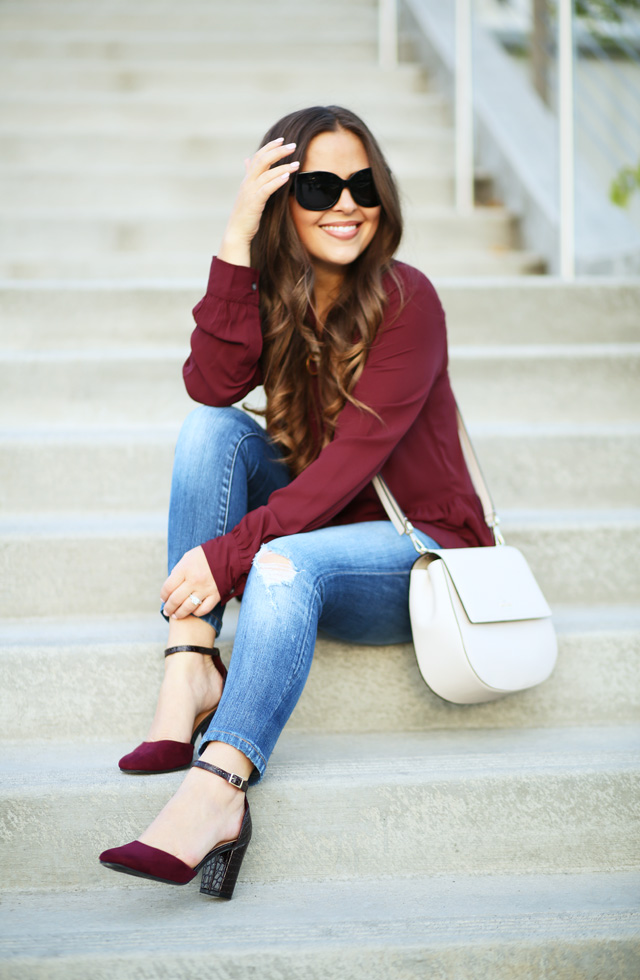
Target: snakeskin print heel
x=220, y=867
x=220, y=870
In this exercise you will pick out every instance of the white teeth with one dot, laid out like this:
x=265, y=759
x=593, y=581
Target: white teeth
x=340, y=227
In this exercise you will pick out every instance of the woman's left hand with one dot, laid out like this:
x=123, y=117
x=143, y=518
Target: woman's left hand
x=191, y=576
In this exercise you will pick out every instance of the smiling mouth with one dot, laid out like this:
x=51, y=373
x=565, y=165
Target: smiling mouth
x=344, y=231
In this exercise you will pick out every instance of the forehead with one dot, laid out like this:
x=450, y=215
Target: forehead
x=340, y=153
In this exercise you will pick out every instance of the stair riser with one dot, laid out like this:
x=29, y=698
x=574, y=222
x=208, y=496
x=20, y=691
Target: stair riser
x=83, y=265
x=237, y=80
x=543, y=820
x=533, y=311
x=78, y=192
x=522, y=471
x=163, y=18
x=352, y=48
x=198, y=115
x=609, y=957
x=87, y=151
x=582, y=390
x=109, y=691
x=90, y=574
x=173, y=234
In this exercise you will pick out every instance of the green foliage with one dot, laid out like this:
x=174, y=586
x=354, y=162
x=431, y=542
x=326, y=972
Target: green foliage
x=623, y=185
x=604, y=9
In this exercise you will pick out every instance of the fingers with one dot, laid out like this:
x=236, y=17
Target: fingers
x=269, y=154
x=191, y=576
x=263, y=177
x=261, y=170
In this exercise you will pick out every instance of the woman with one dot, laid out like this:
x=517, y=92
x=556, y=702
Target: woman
x=351, y=349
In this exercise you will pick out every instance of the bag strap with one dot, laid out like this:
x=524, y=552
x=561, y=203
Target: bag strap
x=402, y=523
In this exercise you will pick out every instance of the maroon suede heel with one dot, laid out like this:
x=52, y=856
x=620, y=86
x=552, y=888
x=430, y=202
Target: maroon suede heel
x=220, y=867
x=168, y=755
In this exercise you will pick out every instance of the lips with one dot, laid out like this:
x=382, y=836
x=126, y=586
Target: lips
x=342, y=230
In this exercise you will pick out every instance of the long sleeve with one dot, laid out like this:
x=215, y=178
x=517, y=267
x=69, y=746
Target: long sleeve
x=226, y=344
x=405, y=360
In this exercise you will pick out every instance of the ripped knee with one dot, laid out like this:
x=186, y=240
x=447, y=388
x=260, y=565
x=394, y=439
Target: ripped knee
x=274, y=569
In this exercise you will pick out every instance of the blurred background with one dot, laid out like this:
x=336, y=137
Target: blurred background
x=432, y=831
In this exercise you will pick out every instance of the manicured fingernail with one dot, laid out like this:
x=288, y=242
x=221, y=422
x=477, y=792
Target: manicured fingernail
x=280, y=139
x=290, y=146
x=284, y=177
x=295, y=165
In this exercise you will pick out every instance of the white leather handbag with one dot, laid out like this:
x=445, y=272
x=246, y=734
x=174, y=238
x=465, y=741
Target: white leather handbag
x=481, y=626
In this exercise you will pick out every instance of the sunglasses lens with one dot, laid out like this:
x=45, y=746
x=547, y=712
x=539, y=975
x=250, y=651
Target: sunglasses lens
x=317, y=191
x=363, y=190
x=320, y=190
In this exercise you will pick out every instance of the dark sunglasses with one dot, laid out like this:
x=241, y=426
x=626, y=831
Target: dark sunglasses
x=319, y=190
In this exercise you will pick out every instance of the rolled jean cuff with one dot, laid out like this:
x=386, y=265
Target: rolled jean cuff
x=212, y=618
x=247, y=748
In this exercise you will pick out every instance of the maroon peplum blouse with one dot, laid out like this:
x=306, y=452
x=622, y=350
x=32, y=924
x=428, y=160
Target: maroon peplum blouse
x=412, y=440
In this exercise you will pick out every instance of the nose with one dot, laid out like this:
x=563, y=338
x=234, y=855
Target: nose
x=345, y=202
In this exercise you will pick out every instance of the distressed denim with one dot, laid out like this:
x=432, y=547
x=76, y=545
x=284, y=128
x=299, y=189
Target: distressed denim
x=350, y=581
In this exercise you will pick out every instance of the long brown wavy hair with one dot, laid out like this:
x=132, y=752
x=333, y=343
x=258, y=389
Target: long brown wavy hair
x=300, y=420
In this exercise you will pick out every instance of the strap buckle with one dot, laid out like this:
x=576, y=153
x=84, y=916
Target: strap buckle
x=494, y=523
x=410, y=531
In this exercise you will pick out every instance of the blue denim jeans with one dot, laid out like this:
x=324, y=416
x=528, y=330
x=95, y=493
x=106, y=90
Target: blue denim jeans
x=350, y=581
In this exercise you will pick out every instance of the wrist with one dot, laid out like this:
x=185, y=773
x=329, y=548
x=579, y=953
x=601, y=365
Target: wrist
x=236, y=251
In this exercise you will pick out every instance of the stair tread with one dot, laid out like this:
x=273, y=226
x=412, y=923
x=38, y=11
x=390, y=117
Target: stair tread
x=148, y=629
x=426, y=911
x=103, y=522
x=394, y=758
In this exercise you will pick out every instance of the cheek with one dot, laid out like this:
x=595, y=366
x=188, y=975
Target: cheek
x=303, y=220
x=374, y=222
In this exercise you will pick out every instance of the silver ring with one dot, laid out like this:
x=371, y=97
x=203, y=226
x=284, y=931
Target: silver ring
x=194, y=599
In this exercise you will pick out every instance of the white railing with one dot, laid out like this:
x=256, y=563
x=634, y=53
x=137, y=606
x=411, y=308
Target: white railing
x=464, y=102
x=464, y=165
x=388, y=33
x=566, y=151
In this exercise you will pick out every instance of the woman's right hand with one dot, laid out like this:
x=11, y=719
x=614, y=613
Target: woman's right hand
x=260, y=182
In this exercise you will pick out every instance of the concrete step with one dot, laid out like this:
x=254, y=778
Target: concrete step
x=161, y=18
x=166, y=190
x=160, y=269
x=551, y=384
x=548, y=383
x=114, y=468
x=179, y=145
x=224, y=106
x=96, y=113
x=579, y=927
x=161, y=15
x=104, y=559
x=536, y=309
x=237, y=78
x=185, y=232
x=351, y=45
x=107, y=671
x=545, y=794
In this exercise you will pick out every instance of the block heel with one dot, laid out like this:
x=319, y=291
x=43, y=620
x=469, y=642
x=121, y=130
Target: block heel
x=220, y=873
x=220, y=867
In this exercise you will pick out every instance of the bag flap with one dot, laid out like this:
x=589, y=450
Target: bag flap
x=494, y=584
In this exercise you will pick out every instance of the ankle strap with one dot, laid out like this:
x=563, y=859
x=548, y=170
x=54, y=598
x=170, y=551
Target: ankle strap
x=190, y=649
x=231, y=777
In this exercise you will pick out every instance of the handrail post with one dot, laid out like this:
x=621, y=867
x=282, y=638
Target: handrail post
x=388, y=33
x=566, y=139
x=464, y=171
